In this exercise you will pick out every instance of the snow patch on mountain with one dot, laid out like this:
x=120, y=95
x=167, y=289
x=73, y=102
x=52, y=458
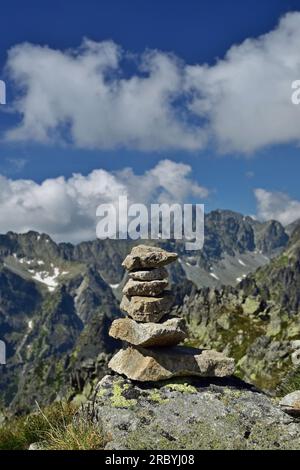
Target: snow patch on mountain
x=114, y=286
x=49, y=280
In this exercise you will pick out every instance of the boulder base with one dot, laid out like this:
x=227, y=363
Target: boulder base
x=147, y=365
x=168, y=333
x=190, y=414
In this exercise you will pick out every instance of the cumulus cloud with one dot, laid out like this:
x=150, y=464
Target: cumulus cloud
x=277, y=206
x=247, y=96
x=83, y=96
x=91, y=98
x=66, y=208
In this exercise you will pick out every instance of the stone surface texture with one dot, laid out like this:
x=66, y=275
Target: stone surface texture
x=143, y=256
x=149, y=275
x=145, y=288
x=148, y=365
x=151, y=352
x=291, y=403
x=167, y=333
x=147, y=309
x=190, y=414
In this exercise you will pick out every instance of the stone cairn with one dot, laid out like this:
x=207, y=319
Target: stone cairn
x=151, y=335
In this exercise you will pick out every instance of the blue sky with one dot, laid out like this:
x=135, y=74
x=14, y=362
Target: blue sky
x=195, y=30
x=197, y=33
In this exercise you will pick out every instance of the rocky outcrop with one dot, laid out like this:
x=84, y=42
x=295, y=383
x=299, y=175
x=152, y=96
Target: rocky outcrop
x=258, y=334
x=257, y=323
x=198, y=414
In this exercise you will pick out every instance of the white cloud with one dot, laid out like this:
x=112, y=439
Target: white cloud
x=82, y=95
x=88, y=96
x=66, y=208
x=247, y=96
x=277, y=206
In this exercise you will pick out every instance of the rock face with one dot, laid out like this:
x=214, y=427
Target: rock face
x=168, y=333
x=143, y=256
x=191, y=414
x=148, y=365
x=257, y=322
x=145, y=300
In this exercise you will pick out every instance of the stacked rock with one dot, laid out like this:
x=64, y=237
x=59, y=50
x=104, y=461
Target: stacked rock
x=150, y=333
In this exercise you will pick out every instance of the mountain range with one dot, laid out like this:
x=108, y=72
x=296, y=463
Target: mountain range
x=239, y=294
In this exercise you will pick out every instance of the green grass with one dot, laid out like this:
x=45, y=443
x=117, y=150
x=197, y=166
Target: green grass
x=54, y=427
x=290, y=383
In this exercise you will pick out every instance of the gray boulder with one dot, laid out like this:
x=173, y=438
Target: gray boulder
x=144, y=256
x=196, y=414
x=147, y=309
x=167, y=333
x=145, y=288
x=164, y=363
x=291, y=403
x=149, y=274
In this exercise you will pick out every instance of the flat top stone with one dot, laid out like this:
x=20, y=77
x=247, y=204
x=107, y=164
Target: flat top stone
x=144, y=256
x=159, y=363
x=145, y=288
x=148, y=309
x=139, y=303
x=151, y=274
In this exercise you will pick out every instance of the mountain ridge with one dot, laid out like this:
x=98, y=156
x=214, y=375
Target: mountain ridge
x=54, y=297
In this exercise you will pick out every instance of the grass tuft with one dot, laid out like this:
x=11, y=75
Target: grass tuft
x=54, y=427
x=290, y=383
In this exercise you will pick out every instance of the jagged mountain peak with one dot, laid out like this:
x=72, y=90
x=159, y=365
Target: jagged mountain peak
x=234, y=246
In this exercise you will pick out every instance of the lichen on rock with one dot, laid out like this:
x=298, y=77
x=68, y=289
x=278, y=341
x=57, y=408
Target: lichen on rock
x=219, y=413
